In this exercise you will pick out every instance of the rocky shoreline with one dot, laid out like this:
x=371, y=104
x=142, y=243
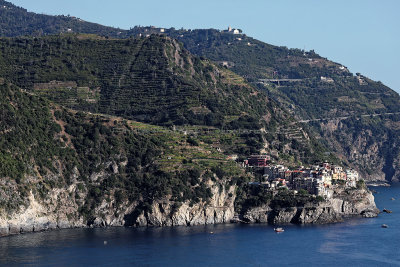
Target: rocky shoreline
x=220, y=209
x=359, y=203
x=377, y=183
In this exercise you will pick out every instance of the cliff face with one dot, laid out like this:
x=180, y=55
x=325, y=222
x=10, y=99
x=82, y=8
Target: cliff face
x=358, y=202
x=75, y=169
x=55, y=213
x=369, y=144
x=60, y=212
x=220, y=209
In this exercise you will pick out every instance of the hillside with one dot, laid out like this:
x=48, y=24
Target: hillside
x=61, y=168
x=324, y=95
x=154, y=80
x=17, y=21
x=150, y=79
x=79, y=167
x=354, y=115
x=103, y=131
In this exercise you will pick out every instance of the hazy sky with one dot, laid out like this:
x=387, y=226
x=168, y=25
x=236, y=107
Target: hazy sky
x=363, y=35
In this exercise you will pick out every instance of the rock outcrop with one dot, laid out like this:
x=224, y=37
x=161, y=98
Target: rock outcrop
x=40, y=216
x=345, y=203
x=60, y=212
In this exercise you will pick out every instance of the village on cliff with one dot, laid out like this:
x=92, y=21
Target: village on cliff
x=320, y=179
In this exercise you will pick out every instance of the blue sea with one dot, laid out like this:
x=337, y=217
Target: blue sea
x=356, y=242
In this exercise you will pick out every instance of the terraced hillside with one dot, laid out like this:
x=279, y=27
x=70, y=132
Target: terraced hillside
x=341, y=107
x=313, y=88
x=153, y=80
x=71, y=164
x=61, y=168
x=148, y=79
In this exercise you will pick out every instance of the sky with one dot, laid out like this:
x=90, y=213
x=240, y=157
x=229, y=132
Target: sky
x=363, y=35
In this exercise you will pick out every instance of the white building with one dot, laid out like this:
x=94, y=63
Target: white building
x=233, y=31
x=352, y=178
x=327, y=79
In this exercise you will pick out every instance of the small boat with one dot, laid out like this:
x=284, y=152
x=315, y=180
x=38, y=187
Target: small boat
x=384, y=226
x=393, y=198
x=279, y=230
x=387, y=211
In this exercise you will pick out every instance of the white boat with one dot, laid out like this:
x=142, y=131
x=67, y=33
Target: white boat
x=279, y=230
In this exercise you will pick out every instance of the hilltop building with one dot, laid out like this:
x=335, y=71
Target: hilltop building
x=233, y=31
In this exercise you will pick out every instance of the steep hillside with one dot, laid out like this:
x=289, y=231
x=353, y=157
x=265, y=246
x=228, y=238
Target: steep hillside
x=149, y=79
x=61, y=168
x=154, y=80
x=310, y=86
x=318, y=92
x=69, y=168
x=17, y=21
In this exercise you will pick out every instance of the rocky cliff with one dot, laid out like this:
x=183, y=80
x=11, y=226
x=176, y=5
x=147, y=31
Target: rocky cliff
x=60, y=212
x=219, y=209
x=369, y=143
x=345, y=203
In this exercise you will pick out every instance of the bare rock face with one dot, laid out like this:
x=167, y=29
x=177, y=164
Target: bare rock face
x=220, y=209
x=283, y=216
x=376, y=151
x=257, y=214
x=318, y=215
x=39, y=216
x=60, y=211
x=356, y=202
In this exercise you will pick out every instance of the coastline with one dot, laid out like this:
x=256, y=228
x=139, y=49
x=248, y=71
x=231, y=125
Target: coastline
x=378, y=183
x=355, y=204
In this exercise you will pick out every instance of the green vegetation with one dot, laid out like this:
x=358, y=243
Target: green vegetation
x=361, y=184
x=307, y=99
x=153, y=80
x=44, y=147
x=16, y=21
x=340, y=99
x=250, y=196
x=286, y=198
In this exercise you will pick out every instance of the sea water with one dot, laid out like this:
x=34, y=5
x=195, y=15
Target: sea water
x=355, y=242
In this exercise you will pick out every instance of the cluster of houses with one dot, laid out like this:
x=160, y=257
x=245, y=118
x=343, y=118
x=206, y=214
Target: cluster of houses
x=317, y=179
